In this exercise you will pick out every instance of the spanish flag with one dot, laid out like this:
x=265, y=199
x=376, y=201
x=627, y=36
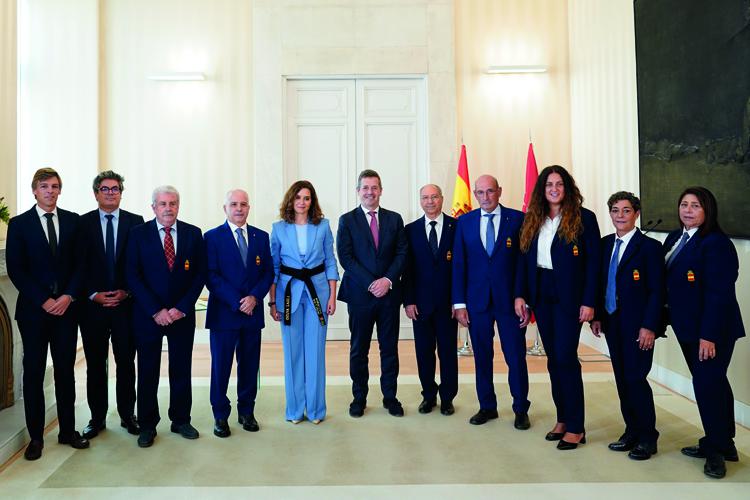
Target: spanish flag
x=462, y=191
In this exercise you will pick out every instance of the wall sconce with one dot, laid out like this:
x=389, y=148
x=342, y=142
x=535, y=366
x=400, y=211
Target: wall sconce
x=177, y=77
x=507, y=70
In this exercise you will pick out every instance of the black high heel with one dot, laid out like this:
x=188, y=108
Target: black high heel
x=566, y=445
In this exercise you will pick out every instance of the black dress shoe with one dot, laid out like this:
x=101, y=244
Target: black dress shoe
x=521, y=421
x=146, y=437
x=715, y=466
x=567, y=445
x=394, y=408
x=221, y=428
x=642, y=451
x=697, y=452
x=482, y=416
x=248, y=422
x=131, y=424
x=622, y=444
x=554, y=436
x=34, y=450
x=427, y=405
x=185, y=430
x=92, y=430
x=75, y=440
x=356, y=409
x=447, y=408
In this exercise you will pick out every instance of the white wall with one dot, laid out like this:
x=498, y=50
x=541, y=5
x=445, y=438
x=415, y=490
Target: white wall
x=8, y=77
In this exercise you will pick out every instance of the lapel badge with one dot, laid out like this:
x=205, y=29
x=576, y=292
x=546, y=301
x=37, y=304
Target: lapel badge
x=636, y=275
x=187, y=265
x=690, y=276
x=449, y=256
x=575, y=250
x=508, y=242
x=257, y=260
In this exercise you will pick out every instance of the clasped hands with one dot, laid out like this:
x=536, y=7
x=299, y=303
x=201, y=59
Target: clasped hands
x=166, y=317
x=111, y=298
x=379, y=287
x=58, y=306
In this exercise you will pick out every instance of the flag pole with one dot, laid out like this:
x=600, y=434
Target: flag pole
x=537, y=349
x=461, y=205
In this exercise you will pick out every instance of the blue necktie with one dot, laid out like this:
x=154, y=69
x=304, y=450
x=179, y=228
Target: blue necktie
x=109, y=250
x=610, y=298
x=683, y=242
x=489, y=239
x=242, y=244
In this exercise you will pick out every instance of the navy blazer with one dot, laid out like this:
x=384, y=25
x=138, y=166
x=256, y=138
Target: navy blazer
x=575, y=267
x=427, y=279
x=91, y=248
x=639, y=285
x=362, y=263
x=701, y=289
x=31, y=266
x=478, y=277
x=153, y=286
x=229, y=280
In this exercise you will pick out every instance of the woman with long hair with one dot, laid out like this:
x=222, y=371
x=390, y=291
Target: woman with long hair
x=558, y=280
x=303, y=295
x=702, y=269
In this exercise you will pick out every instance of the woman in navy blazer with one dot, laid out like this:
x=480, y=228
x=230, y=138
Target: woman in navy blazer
x=302, y=297
x=702, y=268
x=558, y=279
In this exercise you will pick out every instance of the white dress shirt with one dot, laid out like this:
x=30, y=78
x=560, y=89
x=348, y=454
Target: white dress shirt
x=625, y=240
x=43, y=221
x=160, y=228
x=544, y=245
x=115, y=222
x=483, y=224
x=233, y=228
x=438, y=226
x=367, y=215
x=691, y=232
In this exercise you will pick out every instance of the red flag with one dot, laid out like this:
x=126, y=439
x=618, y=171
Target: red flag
x=462, y=192
x=531, y=176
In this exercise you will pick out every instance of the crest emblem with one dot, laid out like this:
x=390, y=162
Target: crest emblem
x=575, y=250
x=690, y=276
x=636, y=275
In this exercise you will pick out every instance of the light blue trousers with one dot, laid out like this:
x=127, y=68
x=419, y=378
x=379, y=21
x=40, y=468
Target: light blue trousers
x=304, y=343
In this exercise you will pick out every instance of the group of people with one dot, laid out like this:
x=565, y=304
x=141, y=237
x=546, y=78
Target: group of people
x=134, y=283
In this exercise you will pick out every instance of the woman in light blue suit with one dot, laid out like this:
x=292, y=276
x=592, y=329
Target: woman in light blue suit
x=302, y=297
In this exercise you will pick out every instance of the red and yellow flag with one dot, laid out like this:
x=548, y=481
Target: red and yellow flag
x=462, y=192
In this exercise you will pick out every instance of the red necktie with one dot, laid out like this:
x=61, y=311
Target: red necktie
x=374, y=228
x=169, y=247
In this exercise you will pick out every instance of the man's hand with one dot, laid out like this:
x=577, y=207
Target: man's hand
x=462, y=315
x=585, y=314
x=58, y=306
x=706, y=350
x=380, y=287
x=111, y=298
x=163, y=318
x=175, y=314
x=596, y=328
x=522, y=311
x=247, y=304
x=646, y=339
x=412, y=312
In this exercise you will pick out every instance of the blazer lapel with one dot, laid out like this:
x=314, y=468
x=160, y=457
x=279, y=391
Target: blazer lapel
x=123, y=225
x=312, y=233
x=631, y=249
x=359, y=215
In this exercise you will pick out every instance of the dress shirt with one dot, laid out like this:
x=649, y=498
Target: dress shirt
x=233, y=228
x=438, y=226
x=544, y=245
x=160, y=228
x=625, y=240
x=483, y=224
x=115, y=222
x=367, y=215
x=691, y=232
x=43, y=222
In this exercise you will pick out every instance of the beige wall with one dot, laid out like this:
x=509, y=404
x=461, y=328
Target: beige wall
x=8, y=77
x=496, y=112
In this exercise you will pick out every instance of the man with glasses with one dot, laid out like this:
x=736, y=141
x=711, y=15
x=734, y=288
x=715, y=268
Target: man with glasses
x=485, y=257
x=106, y=304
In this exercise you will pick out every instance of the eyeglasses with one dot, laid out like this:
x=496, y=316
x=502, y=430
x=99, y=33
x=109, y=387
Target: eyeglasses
x=434, y=197
x=108, y=190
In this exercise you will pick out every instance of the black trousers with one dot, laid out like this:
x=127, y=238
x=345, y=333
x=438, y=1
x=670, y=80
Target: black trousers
x=59, y=334
x=362, y=320
x=99, y=325
x=437, y=330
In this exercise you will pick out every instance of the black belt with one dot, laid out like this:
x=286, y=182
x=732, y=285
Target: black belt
x=303, y=275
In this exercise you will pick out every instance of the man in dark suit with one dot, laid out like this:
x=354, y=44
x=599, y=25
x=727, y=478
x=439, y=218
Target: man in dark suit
x=240, y=272
x=371, y=245
x=485, y=260
x=427, y=299
x=165, y=269
x=106, y=307
x=44, y=267
x=629, y=314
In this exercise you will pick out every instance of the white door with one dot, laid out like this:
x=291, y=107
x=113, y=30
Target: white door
x=337, y=127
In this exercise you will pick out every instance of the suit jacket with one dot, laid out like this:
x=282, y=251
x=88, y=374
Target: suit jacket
x=362, y=263
x=229, y=280
x=481, y=280
x=152, y=284
x=639, y=285
x=285, y=250
x=31, y=266
x=427, y=279
x=701, y=289
x=575, y=266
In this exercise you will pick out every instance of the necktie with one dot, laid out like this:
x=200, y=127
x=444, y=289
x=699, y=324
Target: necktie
x=610, y=298
x=169, y=247
x=433, y=240
x=683, y=242
x=374, y=228
x=109, y=250
x=51, y=234
x=489, y=240
x=242, y=244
